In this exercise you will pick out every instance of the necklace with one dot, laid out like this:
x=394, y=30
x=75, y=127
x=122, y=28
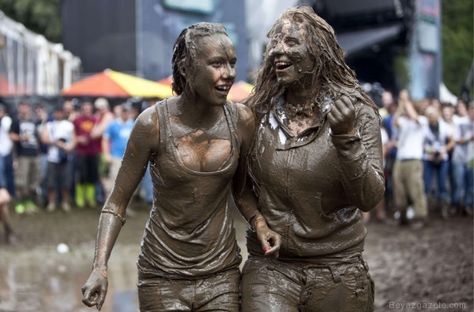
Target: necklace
x=302, y=110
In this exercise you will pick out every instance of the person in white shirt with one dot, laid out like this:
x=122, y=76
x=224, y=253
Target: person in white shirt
x=5, y=198
x=5, y=124
x=463, y=164
x=461, y=115
x=408, y=168
x=59, y=135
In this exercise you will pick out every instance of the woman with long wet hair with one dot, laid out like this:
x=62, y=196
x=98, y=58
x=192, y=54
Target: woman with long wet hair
x=196, y=143
x=316, y=163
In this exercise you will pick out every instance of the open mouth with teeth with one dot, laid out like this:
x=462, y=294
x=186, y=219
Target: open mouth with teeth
x=282, y=65
x=223, y=88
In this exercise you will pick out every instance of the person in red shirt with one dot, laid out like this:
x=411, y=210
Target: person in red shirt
x=87, y=153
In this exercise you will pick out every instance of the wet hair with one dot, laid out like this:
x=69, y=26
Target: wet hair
x=331, y=77
x=185, y=50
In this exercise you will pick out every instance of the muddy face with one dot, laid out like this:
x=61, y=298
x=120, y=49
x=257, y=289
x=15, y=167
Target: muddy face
x=289, y=52
x=213, y=72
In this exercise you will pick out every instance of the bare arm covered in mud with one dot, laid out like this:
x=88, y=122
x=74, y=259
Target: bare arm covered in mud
x=244, y=197
x=356, y=136
x=143, y=141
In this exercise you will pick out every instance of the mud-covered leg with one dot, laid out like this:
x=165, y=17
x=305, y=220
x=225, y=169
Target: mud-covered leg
x=267, y=286
x=338, y=288
x=219, y=293
x=160, y=295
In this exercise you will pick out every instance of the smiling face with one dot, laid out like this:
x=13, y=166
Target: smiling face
x=213, y=69
x=289, y=52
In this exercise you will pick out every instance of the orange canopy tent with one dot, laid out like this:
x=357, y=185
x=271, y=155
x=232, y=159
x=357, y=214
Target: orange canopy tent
x=238, y=93
x=110, y=83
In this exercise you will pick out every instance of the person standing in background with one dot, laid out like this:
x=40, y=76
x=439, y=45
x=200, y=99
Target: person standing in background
x=6, y=147
x=437, y=145
x=87, y=156
x=5, y=200
x=104, y=118
x=42, y=118
x=6, y=150
x=390, y=148
x=463, y=164
x=408, y=169
x=114, y=142
x=24, y=132
x=58, y=134
x=71, y=111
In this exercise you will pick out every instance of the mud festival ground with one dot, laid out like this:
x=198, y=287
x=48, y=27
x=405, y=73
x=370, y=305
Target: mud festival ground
x=429, y=269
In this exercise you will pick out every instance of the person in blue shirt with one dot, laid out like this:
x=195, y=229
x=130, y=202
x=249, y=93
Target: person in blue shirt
x=114, y=141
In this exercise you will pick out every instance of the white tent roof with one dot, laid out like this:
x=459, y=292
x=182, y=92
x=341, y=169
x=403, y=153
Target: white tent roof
x=446, y=96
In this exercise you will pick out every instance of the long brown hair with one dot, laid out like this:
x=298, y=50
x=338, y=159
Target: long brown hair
x=331, y=77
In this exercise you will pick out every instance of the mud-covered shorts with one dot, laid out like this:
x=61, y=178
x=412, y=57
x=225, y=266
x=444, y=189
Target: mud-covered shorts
x=340, y=286
x=219, y=292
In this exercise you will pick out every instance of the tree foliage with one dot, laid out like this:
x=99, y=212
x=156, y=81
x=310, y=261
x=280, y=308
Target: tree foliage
x=457, y=40
x=40, y=16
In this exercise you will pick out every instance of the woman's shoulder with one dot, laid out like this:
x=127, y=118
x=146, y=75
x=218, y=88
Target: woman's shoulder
x=150, y=116
x=244, y=114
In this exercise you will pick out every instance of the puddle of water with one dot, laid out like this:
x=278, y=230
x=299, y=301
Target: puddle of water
x=43, y=280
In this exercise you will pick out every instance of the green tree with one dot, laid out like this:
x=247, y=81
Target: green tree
x=40, y=16
x=457, y=40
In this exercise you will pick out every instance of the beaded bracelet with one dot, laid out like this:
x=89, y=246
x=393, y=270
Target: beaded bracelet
x=122, y=219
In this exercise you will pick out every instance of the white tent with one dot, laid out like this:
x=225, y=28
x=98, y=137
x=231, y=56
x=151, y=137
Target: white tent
x=30, y=64
x=445, y=96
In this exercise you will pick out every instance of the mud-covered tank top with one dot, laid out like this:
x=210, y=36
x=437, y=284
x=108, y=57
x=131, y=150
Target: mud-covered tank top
x=190, y=231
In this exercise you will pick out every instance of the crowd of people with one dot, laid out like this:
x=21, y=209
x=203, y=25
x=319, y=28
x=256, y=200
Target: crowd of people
x=70, y=157
x=63, y=158
x=429, y=158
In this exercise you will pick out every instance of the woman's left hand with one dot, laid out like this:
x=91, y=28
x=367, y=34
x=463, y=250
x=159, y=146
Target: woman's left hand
x=269, y=239
x=342, y=116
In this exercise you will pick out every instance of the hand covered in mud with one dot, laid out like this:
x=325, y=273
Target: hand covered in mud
x=95, y=289
x=269, y=240
x=342, y=116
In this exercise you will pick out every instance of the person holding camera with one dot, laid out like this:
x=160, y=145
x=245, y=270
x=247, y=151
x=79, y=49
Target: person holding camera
x=411, y=127
x=437, y=145
x=59, y=135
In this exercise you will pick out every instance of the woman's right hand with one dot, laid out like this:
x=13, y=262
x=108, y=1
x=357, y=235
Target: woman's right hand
x=95, y=289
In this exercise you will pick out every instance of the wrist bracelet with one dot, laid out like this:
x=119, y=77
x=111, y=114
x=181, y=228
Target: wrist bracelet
x=122, y=219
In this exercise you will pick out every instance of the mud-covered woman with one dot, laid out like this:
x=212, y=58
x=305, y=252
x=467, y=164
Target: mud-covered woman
x=195, y=143
x=316, y=164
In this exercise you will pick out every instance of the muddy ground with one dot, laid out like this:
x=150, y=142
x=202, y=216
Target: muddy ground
x=429, y=269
